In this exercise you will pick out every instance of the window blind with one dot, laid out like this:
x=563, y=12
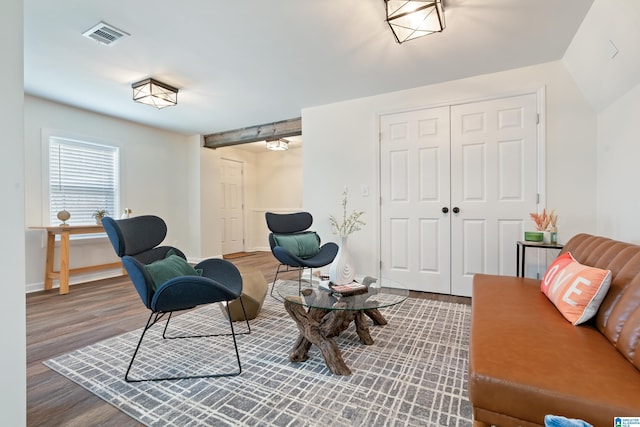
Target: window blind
x=83, y=177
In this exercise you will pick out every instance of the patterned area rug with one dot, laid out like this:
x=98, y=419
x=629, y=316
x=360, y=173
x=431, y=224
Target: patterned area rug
x=414, y=375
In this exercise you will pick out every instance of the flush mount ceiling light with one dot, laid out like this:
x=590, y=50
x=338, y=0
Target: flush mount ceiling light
x=155, y=93
x=410, y=19
x=279, y=144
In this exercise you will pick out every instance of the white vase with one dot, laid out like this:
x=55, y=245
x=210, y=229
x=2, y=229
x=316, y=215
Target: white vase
x=341, y=270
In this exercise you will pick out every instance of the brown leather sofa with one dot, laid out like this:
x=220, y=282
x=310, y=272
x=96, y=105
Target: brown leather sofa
x=526, y=360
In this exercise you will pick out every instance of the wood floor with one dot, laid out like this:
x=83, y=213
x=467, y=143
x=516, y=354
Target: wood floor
x=91, y=312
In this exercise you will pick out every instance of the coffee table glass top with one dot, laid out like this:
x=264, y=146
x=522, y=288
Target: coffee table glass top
x=381, y=293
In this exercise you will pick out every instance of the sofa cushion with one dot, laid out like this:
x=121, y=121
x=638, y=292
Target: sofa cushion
x=576, y=290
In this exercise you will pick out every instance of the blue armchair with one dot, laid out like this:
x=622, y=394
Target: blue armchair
x=295, y=246
x=166, y=283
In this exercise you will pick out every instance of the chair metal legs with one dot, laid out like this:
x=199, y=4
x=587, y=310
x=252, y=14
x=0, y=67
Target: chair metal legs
x=154, y=317
x=289, y=268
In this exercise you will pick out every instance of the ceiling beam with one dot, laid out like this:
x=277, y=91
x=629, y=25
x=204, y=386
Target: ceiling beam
x=282, y=129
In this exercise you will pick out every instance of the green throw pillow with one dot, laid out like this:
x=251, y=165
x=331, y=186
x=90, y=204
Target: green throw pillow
x=302, y=245
x=168, y=268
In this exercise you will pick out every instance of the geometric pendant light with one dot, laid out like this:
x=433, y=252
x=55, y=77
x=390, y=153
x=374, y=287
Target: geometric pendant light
x=277, y=144
x=410, y=19
x=155, y=93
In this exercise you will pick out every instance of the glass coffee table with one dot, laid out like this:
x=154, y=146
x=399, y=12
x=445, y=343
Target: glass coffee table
x=322, y=314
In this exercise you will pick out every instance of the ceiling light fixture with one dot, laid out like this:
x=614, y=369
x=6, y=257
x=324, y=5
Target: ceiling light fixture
x=410, y=19
x=279, y=144
x=155, y=93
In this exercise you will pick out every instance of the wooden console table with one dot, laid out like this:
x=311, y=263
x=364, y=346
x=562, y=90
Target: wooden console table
x=63, y=273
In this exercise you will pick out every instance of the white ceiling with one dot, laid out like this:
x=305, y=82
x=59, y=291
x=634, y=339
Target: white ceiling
x=250, y=62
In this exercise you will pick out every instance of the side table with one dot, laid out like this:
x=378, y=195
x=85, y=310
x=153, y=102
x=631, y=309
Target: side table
x=63, y=273
x=523, y=245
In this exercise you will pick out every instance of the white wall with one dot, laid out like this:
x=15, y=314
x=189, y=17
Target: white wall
x=278, y=189
x=618, y=168
x=12, y=263
x=612, y=86
x=603, y=72
x=341, y=149
x=210, y=239
x=155, y=178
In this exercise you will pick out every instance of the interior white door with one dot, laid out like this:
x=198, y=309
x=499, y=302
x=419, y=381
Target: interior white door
x=493, y=185
x=414, y=188
x=231, y=206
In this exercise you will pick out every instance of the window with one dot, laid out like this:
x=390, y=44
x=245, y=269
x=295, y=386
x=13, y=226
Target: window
x=83, y=177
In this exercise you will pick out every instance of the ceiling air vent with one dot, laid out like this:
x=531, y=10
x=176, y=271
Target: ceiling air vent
x=104, y=33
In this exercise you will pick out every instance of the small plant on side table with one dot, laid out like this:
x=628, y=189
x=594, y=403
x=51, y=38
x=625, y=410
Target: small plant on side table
x=98, y=214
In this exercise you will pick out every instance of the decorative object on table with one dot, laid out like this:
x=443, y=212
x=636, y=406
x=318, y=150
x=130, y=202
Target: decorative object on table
x=64, y=216
x=546, y=223
x=371, y=282
x=349, y=289
x=533, y=236
x=126, y=213
x=553, y=230
x=98, y=214
x=341, y=270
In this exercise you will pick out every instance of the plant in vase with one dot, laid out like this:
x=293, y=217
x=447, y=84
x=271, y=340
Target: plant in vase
x=98, y=214
x=341, y=271
x=546, y=223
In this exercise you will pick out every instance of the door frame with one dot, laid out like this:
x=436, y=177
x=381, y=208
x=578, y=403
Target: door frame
x=539, y=91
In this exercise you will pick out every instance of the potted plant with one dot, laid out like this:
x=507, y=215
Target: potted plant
x=98, y=214
x=545, y=226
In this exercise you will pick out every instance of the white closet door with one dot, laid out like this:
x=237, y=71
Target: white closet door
x=414, y=161
x=493, y=184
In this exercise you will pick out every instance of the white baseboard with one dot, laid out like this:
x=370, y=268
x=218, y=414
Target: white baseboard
x=76, y=279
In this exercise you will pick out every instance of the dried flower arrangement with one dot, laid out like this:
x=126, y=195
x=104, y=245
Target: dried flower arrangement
x=545, y=221
x=349, y=224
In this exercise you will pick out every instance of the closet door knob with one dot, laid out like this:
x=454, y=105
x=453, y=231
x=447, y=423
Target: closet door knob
x=445, y=210
x=456, y=209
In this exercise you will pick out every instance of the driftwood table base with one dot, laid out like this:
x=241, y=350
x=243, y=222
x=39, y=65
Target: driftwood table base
x=318, y=327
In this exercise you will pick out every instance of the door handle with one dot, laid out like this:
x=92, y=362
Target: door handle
x=445, y=210
x=456, y=210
